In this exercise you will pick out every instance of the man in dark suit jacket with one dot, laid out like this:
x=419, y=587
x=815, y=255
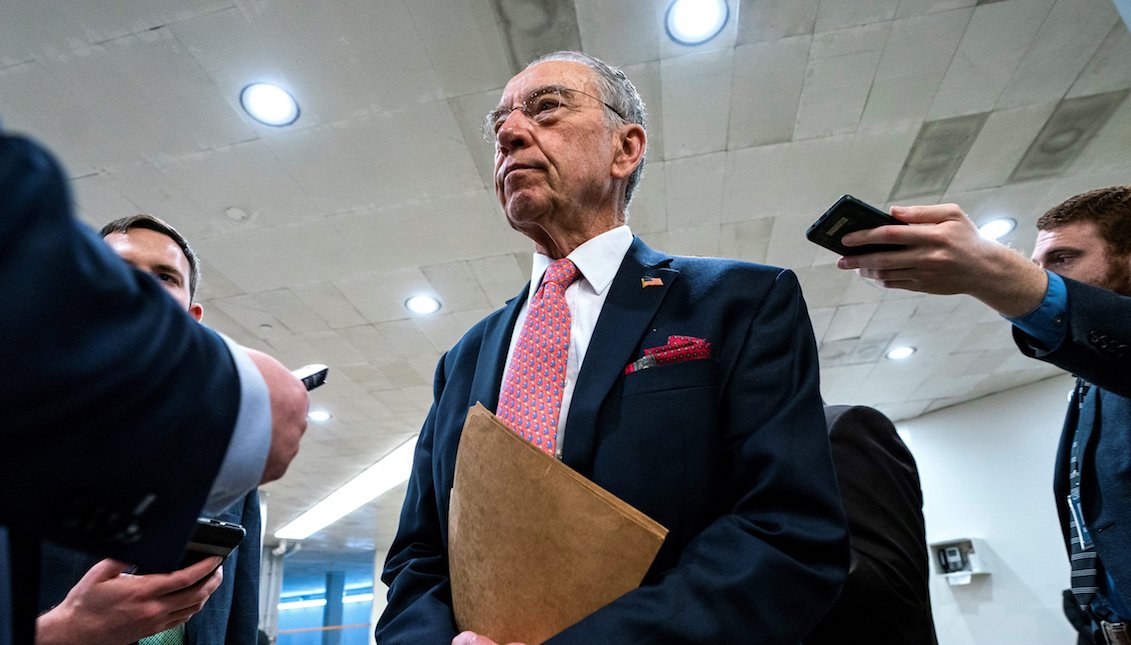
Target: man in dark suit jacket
x=107, y=383
x=690, y=392
x=886, y=599
x=1069, y=307
x=78, y=611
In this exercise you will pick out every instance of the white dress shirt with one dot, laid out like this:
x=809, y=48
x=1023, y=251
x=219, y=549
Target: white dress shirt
x=598, y=260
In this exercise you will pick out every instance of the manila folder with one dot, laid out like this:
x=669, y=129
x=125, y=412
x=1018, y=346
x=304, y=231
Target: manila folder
x=534, y=547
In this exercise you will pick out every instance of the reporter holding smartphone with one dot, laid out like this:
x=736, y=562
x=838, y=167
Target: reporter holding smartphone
x=101, y=603
x=107, y=387
x=1069, y=306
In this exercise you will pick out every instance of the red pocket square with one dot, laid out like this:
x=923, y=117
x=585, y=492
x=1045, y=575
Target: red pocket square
x=678, y=349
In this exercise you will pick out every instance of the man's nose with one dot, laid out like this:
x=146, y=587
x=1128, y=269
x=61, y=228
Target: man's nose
x=515, y=131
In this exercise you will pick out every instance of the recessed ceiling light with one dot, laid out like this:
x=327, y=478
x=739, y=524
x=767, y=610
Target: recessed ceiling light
x=319, y=415
x=422, y=305
x=996, y=229
x=900, y=353
x=693, y=22
x=269, y=104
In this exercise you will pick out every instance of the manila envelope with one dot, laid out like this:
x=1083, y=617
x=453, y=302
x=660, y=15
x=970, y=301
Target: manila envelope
x=534, y=547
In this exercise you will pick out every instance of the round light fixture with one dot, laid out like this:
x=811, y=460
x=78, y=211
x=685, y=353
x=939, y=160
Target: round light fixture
x=900, y=353
x=996, y=229
x=269, y=104
x=319, y=415
x=694, y=22
x=422, y=305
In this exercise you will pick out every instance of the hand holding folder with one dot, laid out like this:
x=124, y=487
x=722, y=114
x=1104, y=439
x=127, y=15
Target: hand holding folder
x=534, y=547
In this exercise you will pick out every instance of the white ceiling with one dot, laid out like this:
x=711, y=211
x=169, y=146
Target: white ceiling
x=382, y=188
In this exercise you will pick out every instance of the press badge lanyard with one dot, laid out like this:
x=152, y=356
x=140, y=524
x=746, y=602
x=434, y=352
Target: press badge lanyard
x=1074, y=506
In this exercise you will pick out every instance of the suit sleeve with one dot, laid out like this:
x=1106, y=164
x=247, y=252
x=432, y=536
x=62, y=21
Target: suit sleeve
x=774, y=559
x=119, y=407
x=1097, y=342
x=419, y=606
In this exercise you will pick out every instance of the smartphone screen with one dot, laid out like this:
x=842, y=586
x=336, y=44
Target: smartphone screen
x=849, y=214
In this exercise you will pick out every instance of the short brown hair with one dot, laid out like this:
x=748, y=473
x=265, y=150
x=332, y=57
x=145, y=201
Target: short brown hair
x=1109, y=208
x=146, y=221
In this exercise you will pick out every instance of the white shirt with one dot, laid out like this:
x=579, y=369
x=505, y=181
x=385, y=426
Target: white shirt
x=598, y=260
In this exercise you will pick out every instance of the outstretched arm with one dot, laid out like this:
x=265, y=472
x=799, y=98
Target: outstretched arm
x=946, y=255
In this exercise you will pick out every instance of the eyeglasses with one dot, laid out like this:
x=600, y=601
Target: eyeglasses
x=541, y=106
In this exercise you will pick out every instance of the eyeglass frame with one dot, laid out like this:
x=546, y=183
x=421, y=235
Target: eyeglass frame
x=492, y=123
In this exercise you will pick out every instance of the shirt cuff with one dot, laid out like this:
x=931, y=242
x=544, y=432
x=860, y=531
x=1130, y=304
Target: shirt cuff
x=1045, y=324
x=243, y=464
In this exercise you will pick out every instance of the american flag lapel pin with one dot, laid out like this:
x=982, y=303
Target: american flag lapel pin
x=649, y=281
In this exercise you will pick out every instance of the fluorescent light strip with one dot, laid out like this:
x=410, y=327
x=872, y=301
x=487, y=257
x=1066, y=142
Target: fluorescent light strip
x=392, y=470
x=321, y=602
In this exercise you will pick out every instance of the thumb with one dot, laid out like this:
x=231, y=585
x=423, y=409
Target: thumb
x=107, y=569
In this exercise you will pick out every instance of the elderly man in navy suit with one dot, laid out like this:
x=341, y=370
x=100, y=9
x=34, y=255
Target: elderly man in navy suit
x=687, y=387
x=1069, y=306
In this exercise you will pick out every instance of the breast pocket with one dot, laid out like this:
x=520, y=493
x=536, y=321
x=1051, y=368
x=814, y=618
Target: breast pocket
x=669, y=425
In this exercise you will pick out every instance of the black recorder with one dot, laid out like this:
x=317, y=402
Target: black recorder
x=849, y=214
x=312, y=376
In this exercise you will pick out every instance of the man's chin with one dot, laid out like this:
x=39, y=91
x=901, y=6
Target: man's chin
x=523, y=209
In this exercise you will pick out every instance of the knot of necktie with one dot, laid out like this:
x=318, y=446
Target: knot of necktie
x=562, y=273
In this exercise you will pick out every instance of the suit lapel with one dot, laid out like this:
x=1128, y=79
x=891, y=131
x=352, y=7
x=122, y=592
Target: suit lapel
x=624, y=319
x=493, y=355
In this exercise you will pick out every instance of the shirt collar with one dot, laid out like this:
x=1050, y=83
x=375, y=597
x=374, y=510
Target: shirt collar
x=598, y=259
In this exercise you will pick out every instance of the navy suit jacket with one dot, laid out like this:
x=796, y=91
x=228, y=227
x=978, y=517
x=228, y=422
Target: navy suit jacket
x=729, y=453
x=231, y=615
x=1097, y=348
x=105, y=444
x=886, y=599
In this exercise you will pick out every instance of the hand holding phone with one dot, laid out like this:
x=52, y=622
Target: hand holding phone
x=845, y=216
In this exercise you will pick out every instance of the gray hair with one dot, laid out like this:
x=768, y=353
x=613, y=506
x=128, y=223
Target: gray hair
x=618, y=92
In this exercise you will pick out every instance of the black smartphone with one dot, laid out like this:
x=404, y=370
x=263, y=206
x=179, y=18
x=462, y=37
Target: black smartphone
x=311, y=375
x=849, y=214
x=211, y=537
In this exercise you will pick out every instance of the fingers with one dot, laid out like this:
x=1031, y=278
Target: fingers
x=182, y=603
x=471, y=638
x=289, y=404
x=907, y=235
x=927, y=214
x=166, y=583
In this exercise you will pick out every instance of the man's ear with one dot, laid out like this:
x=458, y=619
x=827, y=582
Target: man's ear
x=196, y=311
x=632, y=143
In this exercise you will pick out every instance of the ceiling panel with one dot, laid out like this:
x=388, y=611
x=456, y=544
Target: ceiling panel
x=696, y=96
x=995, y=42
x=313, y=235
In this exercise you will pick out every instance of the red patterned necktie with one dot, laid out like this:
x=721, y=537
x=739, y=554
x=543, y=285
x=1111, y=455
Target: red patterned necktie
x=531, y=398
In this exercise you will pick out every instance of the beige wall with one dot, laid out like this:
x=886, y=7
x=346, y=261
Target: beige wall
x=986, y=469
